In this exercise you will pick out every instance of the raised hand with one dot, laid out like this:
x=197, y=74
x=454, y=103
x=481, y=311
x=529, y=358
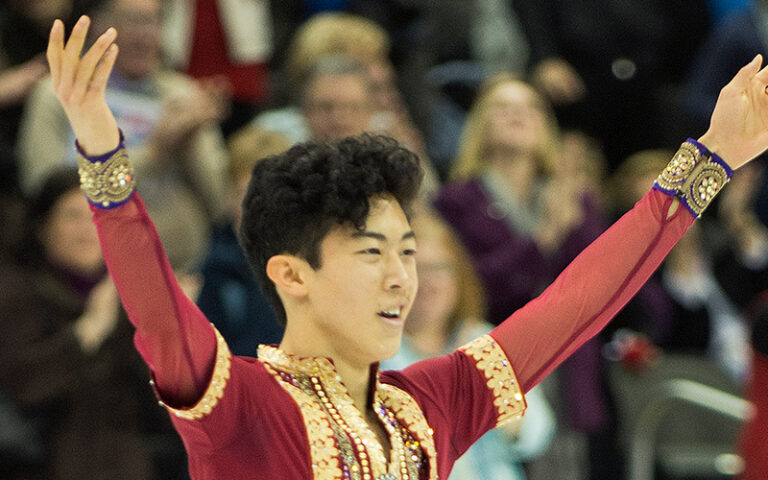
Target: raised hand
x=738, y=129
x=80, y=82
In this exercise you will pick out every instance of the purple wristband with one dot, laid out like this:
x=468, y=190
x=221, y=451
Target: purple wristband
x=712, y=156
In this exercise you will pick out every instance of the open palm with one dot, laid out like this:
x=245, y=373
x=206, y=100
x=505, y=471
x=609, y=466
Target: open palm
x=738, y=129
x=80, y=82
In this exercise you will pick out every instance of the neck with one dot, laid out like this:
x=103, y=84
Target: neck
x=356, y=375
x=517, y=168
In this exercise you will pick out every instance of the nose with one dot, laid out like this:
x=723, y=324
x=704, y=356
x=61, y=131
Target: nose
x=399, y=272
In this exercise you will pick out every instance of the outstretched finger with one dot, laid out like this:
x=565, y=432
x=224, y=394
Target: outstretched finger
x=54, y=51
x=100, y=76
x=72, y=49
x=762, y=76
x=89, y=62
x=747, y=72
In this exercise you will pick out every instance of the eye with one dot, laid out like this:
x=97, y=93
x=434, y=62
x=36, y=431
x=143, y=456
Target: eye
x=409, y=252
x=371, y=251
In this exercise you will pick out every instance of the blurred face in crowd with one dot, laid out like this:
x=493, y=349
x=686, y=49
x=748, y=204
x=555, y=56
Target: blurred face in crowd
x=337, y=106
x=69, y=236
x=515, y=118
x=43, y=12
x=139, y=27
x=383, y=86
x=438, y=281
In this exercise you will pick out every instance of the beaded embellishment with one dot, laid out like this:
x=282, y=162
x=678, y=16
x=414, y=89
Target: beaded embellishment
x=342, y=445
x=695, y=176
x=493, y=363
x=107, y=182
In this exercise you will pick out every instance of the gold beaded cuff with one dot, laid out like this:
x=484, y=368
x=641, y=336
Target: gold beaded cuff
x=695, y=176
x=500, y=377
x=108, y=179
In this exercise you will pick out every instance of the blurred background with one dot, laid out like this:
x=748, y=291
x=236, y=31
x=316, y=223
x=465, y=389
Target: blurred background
x=543, y=120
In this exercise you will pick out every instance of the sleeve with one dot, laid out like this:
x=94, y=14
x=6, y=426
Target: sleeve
x=592, y=289
x=462, y=395
x=172, y=335
x=481, y=385
x=608, y=273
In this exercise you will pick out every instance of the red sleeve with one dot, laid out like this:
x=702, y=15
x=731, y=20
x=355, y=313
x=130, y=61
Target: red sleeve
x=172, y=335
x=752, y=442
x=592, y=289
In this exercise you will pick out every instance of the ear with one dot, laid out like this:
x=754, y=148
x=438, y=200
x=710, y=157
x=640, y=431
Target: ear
x=286, y=272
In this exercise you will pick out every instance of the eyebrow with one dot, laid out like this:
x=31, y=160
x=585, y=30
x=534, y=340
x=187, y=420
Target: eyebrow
x=379, y=236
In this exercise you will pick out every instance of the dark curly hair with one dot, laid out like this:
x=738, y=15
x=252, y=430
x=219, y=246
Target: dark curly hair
x=295, y=198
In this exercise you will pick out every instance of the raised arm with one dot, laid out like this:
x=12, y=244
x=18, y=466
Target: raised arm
x=600, y=281
x=172, y=335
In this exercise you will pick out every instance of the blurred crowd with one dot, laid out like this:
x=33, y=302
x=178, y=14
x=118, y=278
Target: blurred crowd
x=538, y=122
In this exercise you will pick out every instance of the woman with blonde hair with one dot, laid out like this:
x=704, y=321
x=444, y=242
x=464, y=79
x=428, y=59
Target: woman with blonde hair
x=521, y=218
x=523, y=214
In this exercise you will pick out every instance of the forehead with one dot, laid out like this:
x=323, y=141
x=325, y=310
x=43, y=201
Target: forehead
x=514, y=92
x=385, y=217
x=144, y=7
x=339, y=85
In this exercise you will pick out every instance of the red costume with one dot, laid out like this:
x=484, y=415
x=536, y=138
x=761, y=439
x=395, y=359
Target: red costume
x=278, y=416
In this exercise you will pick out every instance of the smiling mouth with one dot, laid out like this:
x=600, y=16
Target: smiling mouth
x=391, y=314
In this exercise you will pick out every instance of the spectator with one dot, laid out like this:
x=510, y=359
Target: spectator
x=23, y=36
x=522, y=223
x=230, y=297
x=224, y=40
x=65, y=359
x=448, y=312
x=689, y=305
x=529, y=227
x=355, y=37
x=336, y=101
x=169, y=120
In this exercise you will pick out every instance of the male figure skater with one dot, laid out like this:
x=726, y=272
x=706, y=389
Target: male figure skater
x=325, y=227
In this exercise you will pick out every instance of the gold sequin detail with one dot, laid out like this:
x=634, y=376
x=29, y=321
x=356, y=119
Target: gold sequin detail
x=109, y=182
x=407, y=411
x=500, y=377
x=340, y=438
x=693, y=178
x=323, y=450
x=215, y=389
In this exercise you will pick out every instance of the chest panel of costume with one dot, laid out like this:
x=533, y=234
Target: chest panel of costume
x=341, y=443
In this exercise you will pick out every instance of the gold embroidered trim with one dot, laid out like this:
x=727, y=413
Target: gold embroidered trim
x=694, y=178
x=323, y=450
x=339, y=436
x=308, y=366
x=215, y=389
x=409, y=413
x=317, y=376
x=108, y=183
x=493, y=363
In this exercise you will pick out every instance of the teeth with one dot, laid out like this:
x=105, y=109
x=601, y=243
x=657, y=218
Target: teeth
x=391, y=313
